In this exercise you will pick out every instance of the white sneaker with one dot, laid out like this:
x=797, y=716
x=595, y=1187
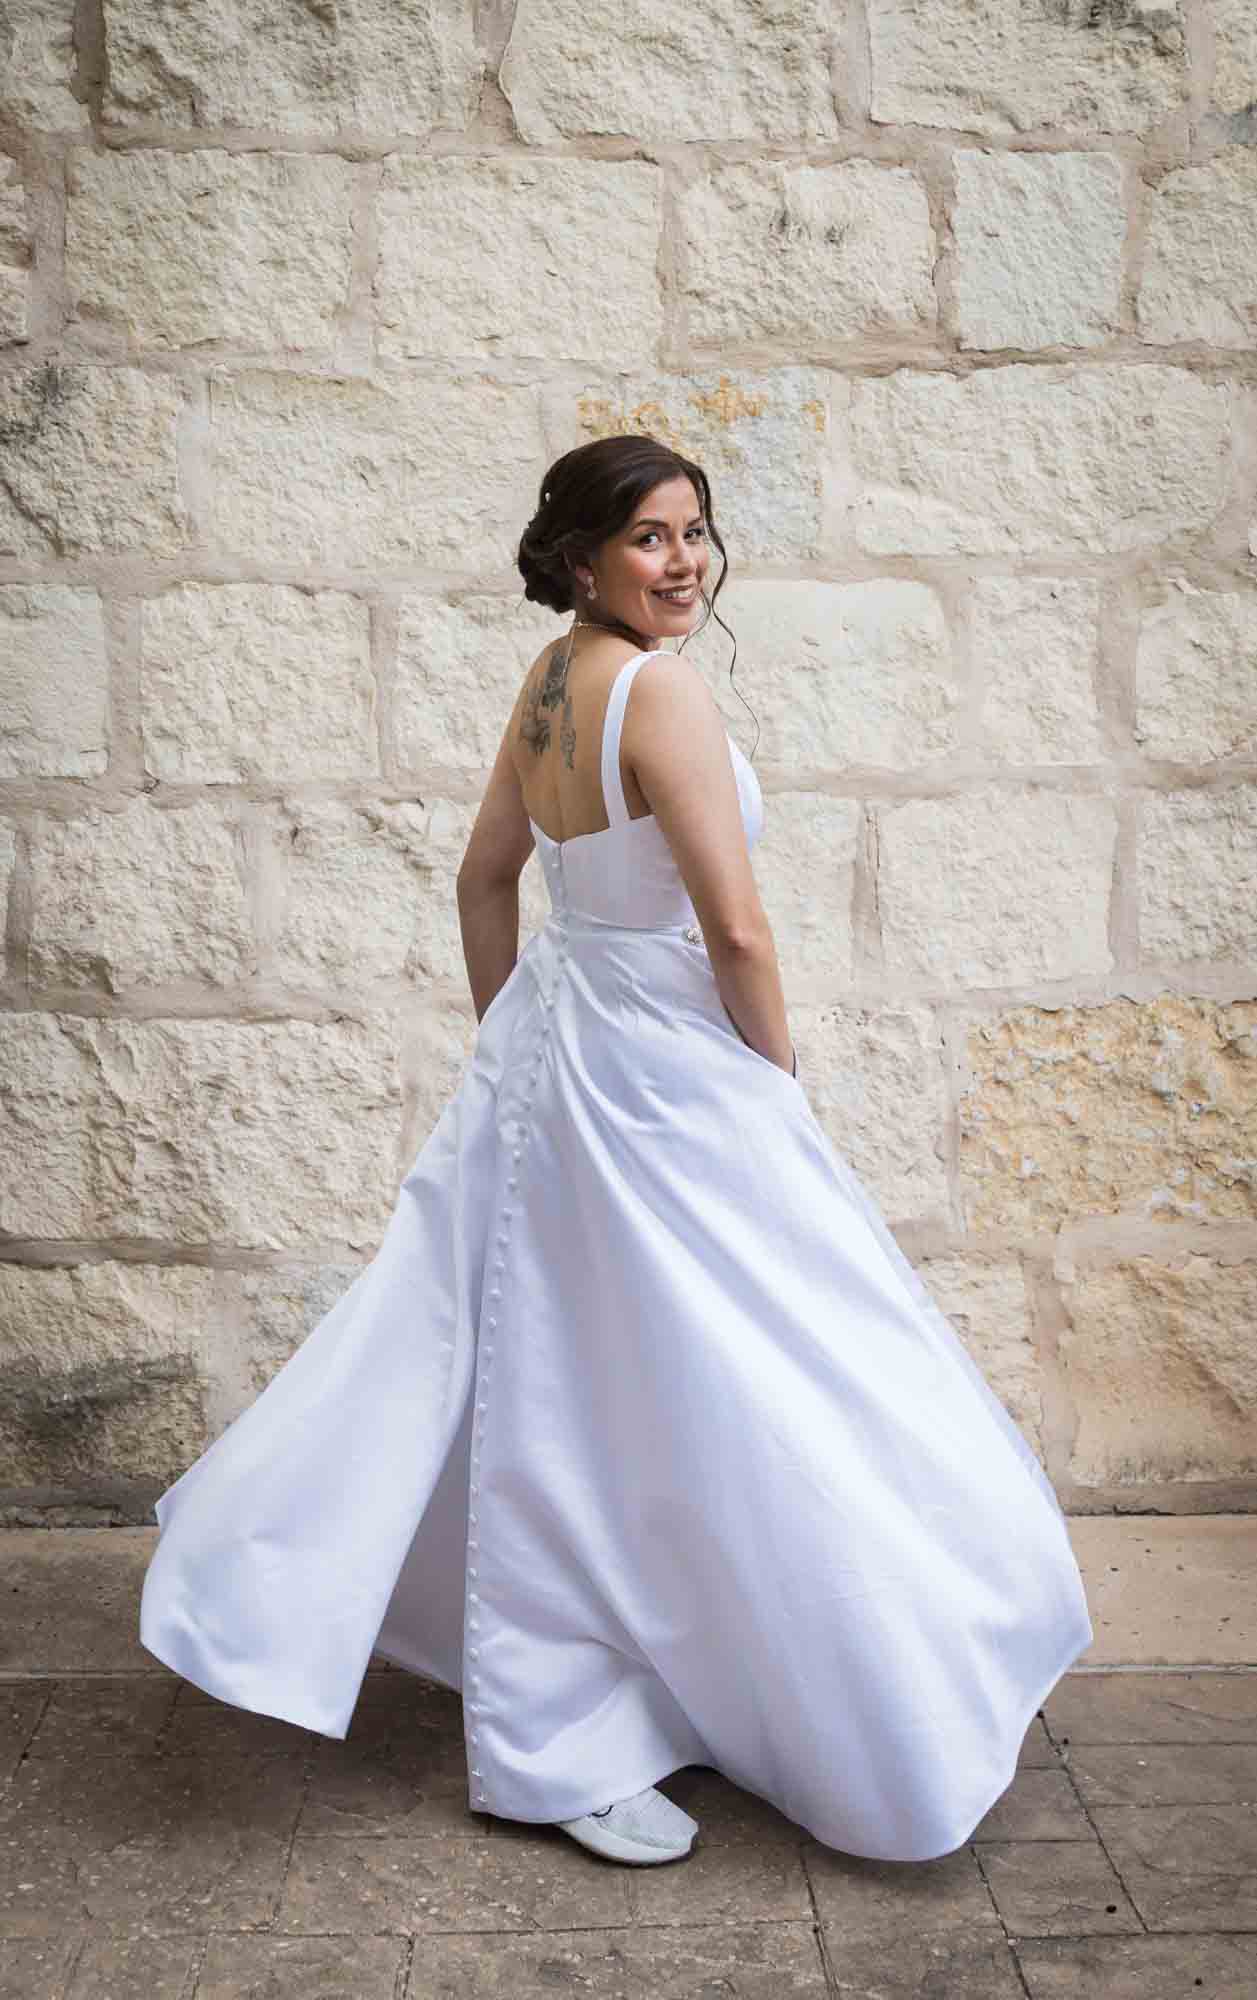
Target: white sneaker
x=645, y=1828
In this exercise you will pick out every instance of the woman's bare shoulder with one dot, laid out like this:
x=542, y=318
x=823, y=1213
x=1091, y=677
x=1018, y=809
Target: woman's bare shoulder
x=672, y=685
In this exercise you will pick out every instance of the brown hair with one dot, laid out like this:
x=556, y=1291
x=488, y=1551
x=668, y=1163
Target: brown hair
x=588, y=495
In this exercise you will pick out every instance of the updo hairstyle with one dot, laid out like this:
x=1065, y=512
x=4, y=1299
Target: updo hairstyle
x=591, y=493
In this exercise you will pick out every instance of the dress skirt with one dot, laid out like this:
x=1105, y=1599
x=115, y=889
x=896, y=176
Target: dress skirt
x=642, y=1431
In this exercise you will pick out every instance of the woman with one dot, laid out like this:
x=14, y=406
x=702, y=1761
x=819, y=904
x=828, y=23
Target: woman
x=639, y=1429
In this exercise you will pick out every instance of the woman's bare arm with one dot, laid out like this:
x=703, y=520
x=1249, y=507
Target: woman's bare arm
x=675, y=742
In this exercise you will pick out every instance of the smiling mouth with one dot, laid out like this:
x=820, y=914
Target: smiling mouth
x=683, y=595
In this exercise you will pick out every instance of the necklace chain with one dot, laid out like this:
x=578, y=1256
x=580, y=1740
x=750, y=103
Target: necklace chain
x=571, y=637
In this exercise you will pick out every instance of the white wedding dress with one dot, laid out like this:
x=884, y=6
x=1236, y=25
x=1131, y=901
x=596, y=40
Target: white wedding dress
x=639, y=1428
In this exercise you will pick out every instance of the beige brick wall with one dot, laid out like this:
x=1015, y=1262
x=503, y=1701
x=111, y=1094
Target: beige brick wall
x=957, y=302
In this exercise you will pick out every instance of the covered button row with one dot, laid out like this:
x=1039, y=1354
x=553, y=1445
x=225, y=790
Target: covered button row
x=473, y=1543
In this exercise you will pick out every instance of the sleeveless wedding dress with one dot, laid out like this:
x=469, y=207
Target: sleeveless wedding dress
x=639, y=1429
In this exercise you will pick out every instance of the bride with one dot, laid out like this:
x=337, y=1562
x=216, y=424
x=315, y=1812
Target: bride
x=639, y=1429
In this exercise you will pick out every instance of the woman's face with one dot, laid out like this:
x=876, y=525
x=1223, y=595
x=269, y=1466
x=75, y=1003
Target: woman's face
x=663, y=548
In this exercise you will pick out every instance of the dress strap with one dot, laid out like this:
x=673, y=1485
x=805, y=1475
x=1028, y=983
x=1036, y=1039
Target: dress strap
x=612, y=728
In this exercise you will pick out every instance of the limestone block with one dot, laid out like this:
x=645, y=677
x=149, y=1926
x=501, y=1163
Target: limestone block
x=1200, y=263
x=990, y=1310
x=954, y=912
x=89, y=462
x=367, y=892
x=140, y=897
x=805, y=862
x=400, y=71
x=837, y=675
x=244, y=681
x=54, y=682
x=15, y=255
x=106, y=1373
x=460, y=664
x=509, y=256
x=762, y=440
x=734, y=72
x=44, y=1168
x=459, y=668
x=1198, y=875
x=280, y=1306
x=118, y=1375
x=252, y=1134
x=37, y=63
x=1035, y=647
x=985, y=66
x=174, y=249
x=1134, y=1108
x=1037, y=460
x=1159, y=1359
x=1235, y=54
x=337, y=469
x=874, y=1078
x=1038, y=254
x=808, y=254
x=1196, y=674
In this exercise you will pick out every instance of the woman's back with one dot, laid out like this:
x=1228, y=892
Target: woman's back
x=620, y=868
x=556, y=733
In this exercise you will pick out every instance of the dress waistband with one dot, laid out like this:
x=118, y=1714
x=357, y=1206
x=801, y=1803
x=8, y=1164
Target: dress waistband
x=582, y=921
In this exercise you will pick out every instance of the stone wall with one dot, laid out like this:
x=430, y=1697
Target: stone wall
x=957, y=302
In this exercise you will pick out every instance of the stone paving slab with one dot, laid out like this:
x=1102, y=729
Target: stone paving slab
x=881, y=1901
x=1139, y=1968
x=969, y=1965
x=156, y=1844
x=37, y=1968
x=87, y=1718
x=1056, y=1888
x=147, y=1842
x=1153, y=1708
x=72, y=1600
x=754, y=1962
x=1186, y=1868
x=1165, y=1588
x=1165, y=1774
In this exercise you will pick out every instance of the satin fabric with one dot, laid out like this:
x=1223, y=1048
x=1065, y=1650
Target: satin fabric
x=640, y=1429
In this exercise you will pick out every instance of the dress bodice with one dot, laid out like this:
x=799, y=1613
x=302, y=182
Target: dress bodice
x=625, y=873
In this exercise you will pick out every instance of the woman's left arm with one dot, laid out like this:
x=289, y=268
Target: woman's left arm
x=487, y=887
x=489, y=921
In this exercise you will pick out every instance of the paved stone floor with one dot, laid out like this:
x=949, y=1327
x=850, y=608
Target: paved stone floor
x=159, y=1845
